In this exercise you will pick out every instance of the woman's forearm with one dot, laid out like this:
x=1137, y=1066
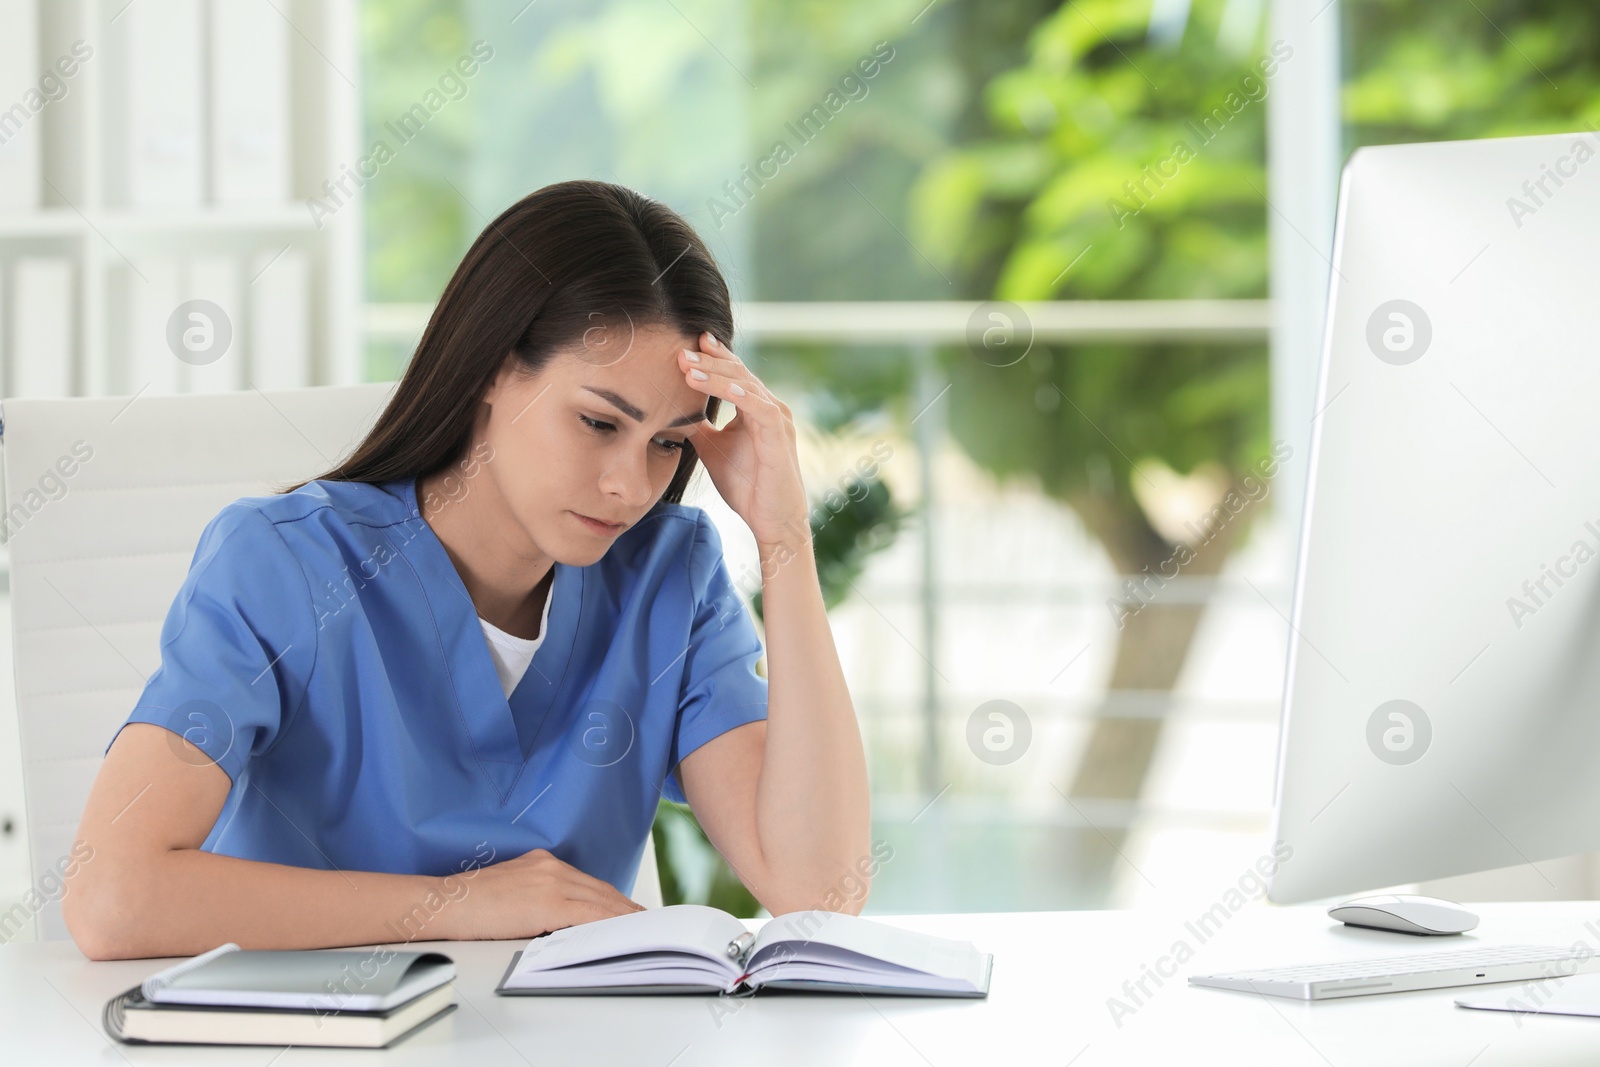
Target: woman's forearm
x=187, y=901
x=813, y=806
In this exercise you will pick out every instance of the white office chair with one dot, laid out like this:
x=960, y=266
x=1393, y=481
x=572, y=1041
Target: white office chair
x=97, y=556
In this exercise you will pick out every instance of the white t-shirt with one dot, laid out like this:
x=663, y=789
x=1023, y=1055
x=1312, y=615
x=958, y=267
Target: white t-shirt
x=512, y=655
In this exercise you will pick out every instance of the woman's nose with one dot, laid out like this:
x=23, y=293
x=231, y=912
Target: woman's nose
x=628, y=479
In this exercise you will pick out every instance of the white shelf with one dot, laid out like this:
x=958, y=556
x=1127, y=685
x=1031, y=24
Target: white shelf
x=65, y=221
x=82, y=220
x=46, y=223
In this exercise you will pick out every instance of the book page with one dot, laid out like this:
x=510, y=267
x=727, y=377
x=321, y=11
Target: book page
x=830, y=938
x=690, y=929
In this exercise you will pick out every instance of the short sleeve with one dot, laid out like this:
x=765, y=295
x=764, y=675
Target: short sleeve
x=237, y=645
x=721, y=689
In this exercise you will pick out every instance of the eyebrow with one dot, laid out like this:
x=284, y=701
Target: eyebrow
x=638, y=416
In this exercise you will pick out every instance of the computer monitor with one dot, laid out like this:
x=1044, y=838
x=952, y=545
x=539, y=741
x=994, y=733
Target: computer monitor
x=1441, y=709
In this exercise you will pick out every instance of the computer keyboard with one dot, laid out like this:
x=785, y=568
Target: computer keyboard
x=1393, y=974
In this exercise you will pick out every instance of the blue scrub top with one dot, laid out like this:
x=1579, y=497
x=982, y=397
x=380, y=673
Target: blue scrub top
x=324, y=652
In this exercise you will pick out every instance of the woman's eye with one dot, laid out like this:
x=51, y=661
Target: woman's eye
x=665, y=444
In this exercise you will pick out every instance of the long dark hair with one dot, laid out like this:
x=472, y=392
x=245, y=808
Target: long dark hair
x=556, y=264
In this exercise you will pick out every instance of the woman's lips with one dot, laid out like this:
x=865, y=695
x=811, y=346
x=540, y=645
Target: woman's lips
x=604, y=529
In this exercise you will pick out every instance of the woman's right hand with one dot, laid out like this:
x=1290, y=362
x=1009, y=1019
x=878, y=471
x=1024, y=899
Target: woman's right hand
x=526, y=896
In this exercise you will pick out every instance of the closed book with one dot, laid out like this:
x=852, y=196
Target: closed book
x=229, y=996
x=132, y=1019
x=689, y=948
x=249, y=73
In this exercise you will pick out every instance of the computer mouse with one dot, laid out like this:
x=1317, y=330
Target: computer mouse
x=1405, y=914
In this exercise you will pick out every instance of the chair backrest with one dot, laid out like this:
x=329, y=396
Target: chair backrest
x=105, y=499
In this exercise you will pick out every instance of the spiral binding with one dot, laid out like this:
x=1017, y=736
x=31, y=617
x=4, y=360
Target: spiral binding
x=112, y=1015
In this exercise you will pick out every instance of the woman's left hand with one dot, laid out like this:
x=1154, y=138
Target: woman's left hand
x=752, y=460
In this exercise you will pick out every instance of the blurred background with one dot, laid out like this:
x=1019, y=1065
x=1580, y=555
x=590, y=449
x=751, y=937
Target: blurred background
x=1043, y=280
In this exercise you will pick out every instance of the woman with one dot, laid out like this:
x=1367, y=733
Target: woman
x=438, y=692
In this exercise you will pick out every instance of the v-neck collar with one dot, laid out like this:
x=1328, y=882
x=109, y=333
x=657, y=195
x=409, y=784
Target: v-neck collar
x=520, y=644
x=502, y=731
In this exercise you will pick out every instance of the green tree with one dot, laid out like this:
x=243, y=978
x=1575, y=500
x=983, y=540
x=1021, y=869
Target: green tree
x=1113, y=164
x=1118, y=161
x=1498, y=68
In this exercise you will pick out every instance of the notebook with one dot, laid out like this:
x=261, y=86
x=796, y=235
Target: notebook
x=365, y=998
x=689, y=948
x=1559, y=995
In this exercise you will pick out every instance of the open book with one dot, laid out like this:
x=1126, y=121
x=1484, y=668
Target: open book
x=688, y=948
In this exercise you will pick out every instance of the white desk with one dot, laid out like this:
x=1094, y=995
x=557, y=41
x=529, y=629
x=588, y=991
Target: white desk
x=1053, y=975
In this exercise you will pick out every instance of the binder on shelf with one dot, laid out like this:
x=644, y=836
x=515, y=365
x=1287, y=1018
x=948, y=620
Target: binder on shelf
x=155, y=131
x=19, y=125
x=152, y=299
x=280, y=319
x=72, y=55
x=42, y=334
x=249, y=74
x=210, y=338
